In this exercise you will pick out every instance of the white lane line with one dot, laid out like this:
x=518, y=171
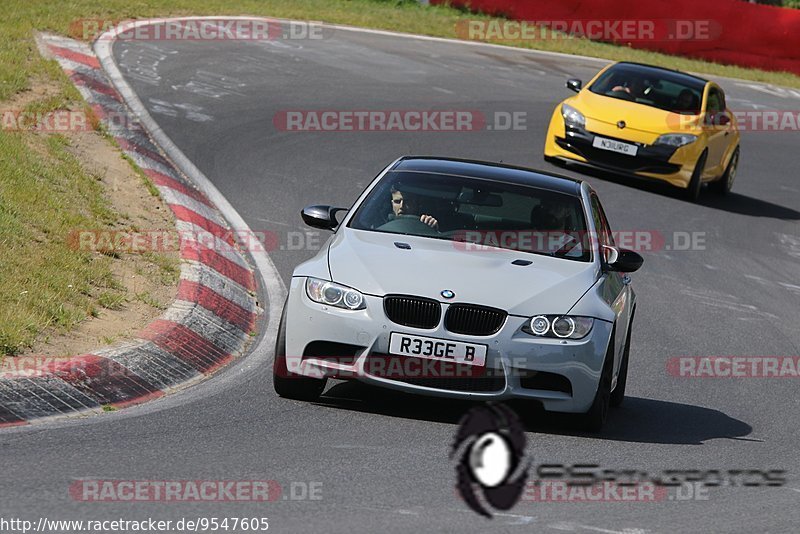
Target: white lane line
x=578, y=526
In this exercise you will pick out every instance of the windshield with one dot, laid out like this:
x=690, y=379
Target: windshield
x=476, y=213
x=670, y=91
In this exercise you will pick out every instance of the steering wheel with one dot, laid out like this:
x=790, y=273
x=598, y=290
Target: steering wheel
x=408, y=224
x=625, y=95
x=567, y=247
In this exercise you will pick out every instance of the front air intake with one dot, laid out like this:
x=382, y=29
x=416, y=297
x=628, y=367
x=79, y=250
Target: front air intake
x=416, y=312
x=473, y=320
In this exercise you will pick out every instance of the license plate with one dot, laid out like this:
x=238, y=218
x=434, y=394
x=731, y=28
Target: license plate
x=437, y=349
x=615, y=146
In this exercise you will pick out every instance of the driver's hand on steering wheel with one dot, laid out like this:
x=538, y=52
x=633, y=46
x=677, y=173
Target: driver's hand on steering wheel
x=430, y=221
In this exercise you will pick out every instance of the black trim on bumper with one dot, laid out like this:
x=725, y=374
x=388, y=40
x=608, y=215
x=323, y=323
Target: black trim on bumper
x=649, y=158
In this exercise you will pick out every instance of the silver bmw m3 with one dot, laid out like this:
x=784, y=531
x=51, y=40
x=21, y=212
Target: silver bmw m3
x=464, y=279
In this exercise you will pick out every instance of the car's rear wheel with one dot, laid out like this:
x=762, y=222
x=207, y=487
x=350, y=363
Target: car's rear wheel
x=724, y=185
x=618, y=395
x=596, y=417
x=693, y=191
x=287, y=384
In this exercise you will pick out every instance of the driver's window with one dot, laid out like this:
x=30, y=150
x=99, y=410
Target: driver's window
x=714, y=101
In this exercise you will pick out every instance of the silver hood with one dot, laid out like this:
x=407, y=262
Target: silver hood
x=373, y=264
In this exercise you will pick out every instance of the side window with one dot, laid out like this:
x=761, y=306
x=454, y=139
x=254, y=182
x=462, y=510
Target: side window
x=600, y=223
x=606, y=226
x=715, y=100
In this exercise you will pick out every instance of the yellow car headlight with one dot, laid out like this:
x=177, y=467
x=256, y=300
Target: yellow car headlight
x=675, y=140
x=572, y=117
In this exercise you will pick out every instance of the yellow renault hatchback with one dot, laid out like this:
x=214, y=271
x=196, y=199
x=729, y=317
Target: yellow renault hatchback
x=648, y=122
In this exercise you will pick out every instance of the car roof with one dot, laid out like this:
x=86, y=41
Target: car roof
x=645, y=67
x=487, y=170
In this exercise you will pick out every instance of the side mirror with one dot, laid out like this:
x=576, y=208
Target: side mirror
x=574, y=84
x=323, y=217
x=621, y=259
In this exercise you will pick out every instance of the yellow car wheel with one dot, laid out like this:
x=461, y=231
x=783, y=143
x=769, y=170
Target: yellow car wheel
x=724, y=184
x=693, y=191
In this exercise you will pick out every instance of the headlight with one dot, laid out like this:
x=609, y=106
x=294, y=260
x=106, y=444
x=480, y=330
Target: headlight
x=572, y=117
x=334, y=294
x=559, y=326
x=675, y=139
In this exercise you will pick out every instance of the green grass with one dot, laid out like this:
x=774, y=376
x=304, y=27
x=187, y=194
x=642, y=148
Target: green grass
x=43, y=282
x=168, y=267
x=43, y=190
x=148, y=299
x=111, y=300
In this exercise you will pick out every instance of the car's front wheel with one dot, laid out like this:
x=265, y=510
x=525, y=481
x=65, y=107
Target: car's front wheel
x=287, y=384
x=693, y=191
x=618, y=395
x=596, y=417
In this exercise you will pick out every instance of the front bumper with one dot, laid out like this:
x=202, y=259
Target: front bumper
x=561, y=374
x=662, y=163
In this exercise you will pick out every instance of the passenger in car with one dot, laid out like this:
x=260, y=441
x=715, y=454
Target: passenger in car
x=687, y=102
x=551, y=222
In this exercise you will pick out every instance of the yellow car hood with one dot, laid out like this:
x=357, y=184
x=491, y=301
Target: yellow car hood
x=609, y=110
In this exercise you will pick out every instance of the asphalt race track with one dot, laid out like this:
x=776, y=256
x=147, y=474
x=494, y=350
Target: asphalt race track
x=382, y=458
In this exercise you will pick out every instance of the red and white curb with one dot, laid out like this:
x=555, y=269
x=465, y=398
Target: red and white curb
x=208, y=324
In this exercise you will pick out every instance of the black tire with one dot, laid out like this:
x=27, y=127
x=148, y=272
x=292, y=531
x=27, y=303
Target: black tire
x=290, y=385
x=724, y=185
x=618, y=395
x=693, y=191
x=595, y=418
